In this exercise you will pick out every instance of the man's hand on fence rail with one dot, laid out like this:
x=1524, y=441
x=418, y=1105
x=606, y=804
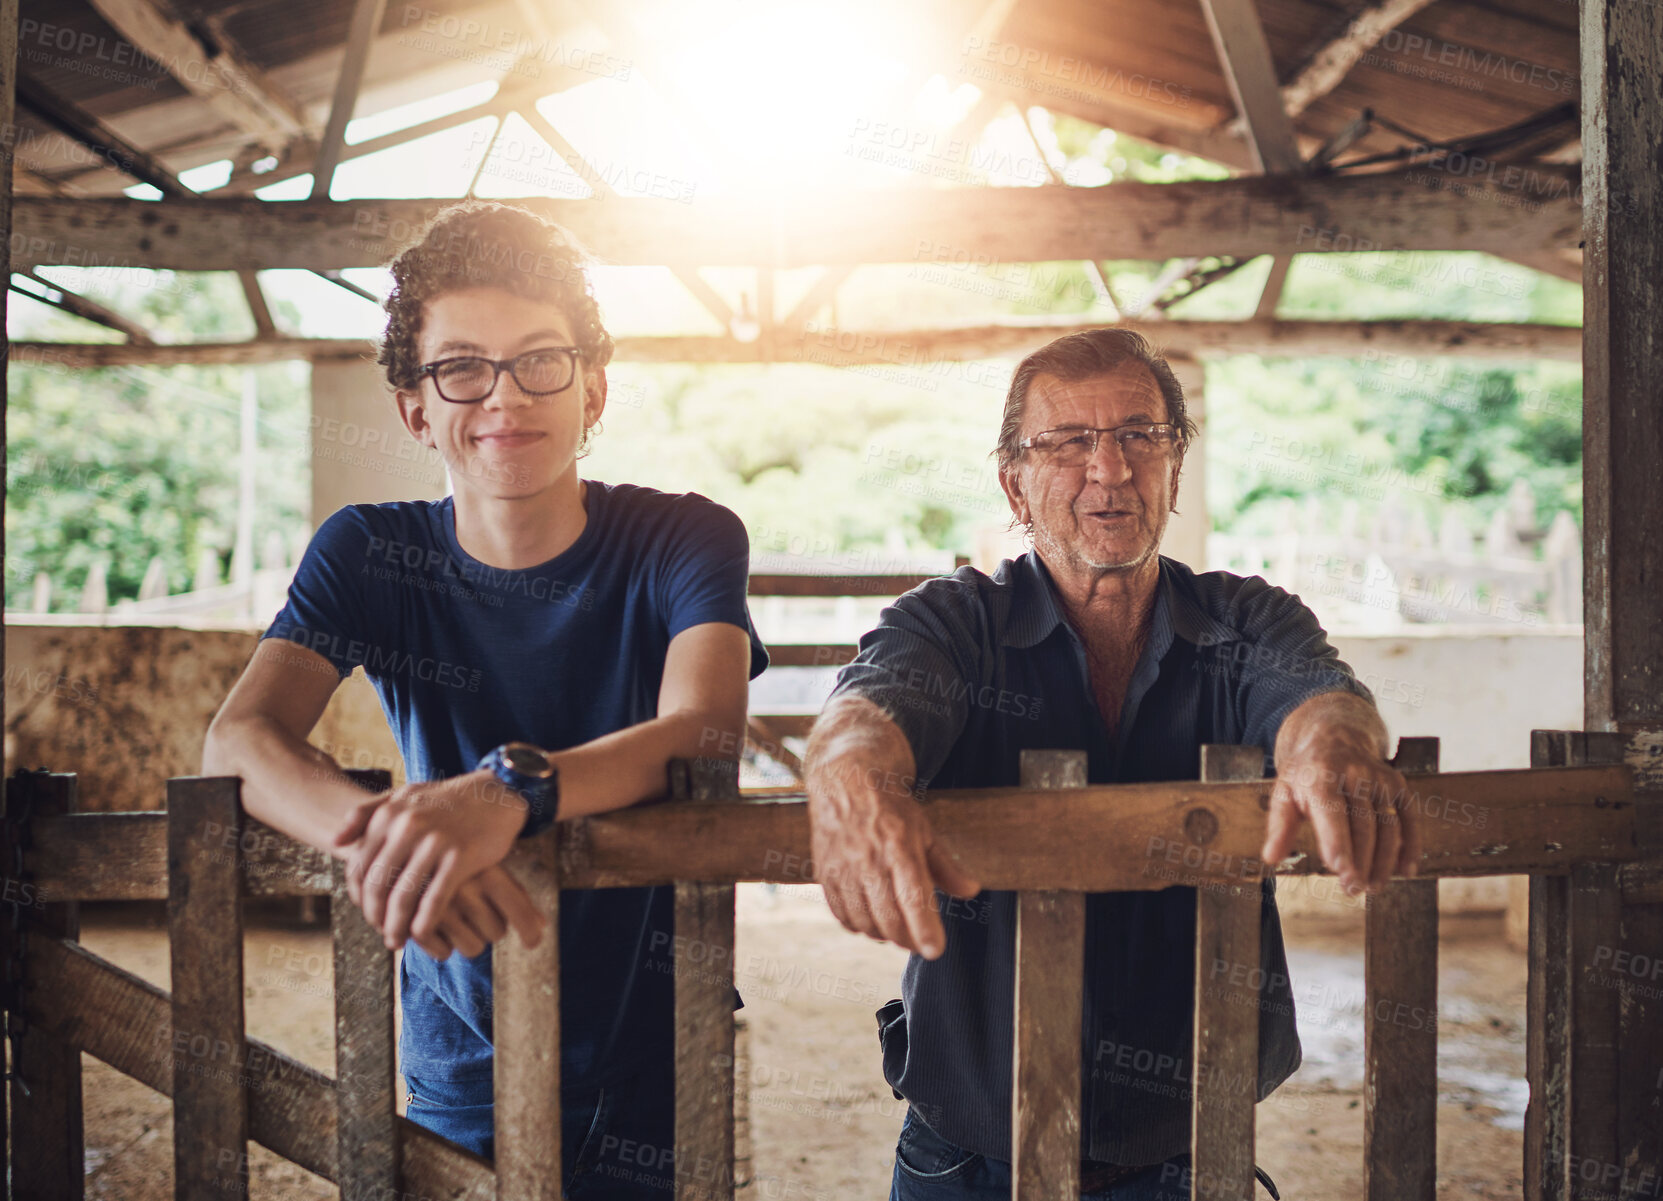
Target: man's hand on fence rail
x=414, y=849
x=1331, y=769
x=874, y=851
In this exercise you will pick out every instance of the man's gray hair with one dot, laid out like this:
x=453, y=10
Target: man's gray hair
x=1085, y=355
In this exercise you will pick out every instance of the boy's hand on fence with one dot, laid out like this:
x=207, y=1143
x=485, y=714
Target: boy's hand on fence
x=876, y=857
x=478, y=916
x=1329, y=770
x=418, y=844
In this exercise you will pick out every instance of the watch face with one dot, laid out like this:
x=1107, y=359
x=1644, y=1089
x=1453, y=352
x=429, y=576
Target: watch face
x=526, y=759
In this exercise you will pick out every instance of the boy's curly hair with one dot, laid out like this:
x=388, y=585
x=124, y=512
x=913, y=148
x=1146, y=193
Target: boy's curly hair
x=485, y=245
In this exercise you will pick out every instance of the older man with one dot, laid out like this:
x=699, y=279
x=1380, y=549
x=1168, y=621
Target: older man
x=1090, y=640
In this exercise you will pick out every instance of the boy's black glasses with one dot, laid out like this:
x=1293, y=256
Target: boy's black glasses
x=469, y=380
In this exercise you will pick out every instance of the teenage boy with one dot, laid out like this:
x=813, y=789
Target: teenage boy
x=542, y=645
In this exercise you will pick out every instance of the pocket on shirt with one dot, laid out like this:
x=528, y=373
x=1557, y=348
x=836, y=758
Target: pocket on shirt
x=924, y=1155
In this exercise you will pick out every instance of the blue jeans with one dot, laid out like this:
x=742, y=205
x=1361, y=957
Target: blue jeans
x=929, y=1168
x=616, y=1144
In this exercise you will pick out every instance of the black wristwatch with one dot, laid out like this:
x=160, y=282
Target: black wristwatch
x=529, y=771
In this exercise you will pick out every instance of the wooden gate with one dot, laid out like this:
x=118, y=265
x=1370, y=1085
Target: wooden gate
x=1568, y=822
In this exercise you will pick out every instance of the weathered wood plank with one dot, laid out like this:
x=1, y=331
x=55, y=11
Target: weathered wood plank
x=704, y=1041
x=46, y=1132
x=1400, y=1027
x=919, y=349
x=704, y=1037
x=1239, y=41
x=1224, y=1085
x=124, y=1021
x=526, y=1027
x=366, y=1129
x=8, y=120
x=1050, y=979
x=946, y=227
x=802, y=654
x=205, y=943
x=123, y=857
x=835, y=585
x=1595, y=1021
x=1622, y=126
x=1125, y=836
x=1547, y=1005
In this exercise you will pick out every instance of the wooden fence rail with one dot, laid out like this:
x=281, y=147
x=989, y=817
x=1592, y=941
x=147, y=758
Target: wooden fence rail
x=1052, y=839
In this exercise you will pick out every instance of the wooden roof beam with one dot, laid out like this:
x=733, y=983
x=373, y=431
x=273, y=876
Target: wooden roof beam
x=950, y=229
x=264, y=327
x=71, y=120
x=60, y=297
x=1244, y=54
x=1328, y=67
x=925, y=351
x=366, y=19
x=233, y=87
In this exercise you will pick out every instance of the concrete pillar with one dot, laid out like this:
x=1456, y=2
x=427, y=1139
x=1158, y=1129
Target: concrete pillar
x=1186, y=530
x=361, y=452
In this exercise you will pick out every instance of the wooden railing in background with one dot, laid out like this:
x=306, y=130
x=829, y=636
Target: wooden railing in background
x=767, y=732
x=1053, y=839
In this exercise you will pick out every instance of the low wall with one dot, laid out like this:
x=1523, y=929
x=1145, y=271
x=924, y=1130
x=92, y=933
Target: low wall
x=126, y=707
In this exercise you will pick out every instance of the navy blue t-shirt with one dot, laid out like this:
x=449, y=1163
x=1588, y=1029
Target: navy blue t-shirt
x=466, y=657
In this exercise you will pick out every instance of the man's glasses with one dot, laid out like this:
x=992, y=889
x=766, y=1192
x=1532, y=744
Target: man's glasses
x=1074, y=447
x=540, y=372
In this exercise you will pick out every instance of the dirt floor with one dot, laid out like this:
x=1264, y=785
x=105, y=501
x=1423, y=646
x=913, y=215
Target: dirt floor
x=823, y=1123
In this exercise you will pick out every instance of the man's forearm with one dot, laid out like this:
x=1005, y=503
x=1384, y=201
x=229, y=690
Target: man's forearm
x=855, y=735
x=1329, y=716
x=629, y=765
x=288, y=783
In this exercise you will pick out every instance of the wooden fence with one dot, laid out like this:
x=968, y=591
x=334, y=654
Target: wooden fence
x=1396, y=570
x=1569, y=822
x=767, y=732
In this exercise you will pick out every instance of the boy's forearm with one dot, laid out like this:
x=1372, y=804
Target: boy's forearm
x=288, y=784
x=630, y=765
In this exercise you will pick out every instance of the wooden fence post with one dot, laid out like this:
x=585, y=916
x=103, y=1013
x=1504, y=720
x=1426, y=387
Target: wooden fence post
x=205, y=940
x=366, y=1135
x=1226, y=1059
x=48, y=1148
x=1400, y=1020
x=1547, y=1004
x=1050, y=980
x=525, y=993
x=703, y=954
x=1594, y=937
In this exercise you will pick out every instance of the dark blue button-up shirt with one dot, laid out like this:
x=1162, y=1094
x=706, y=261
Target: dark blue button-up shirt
x=974, y=670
